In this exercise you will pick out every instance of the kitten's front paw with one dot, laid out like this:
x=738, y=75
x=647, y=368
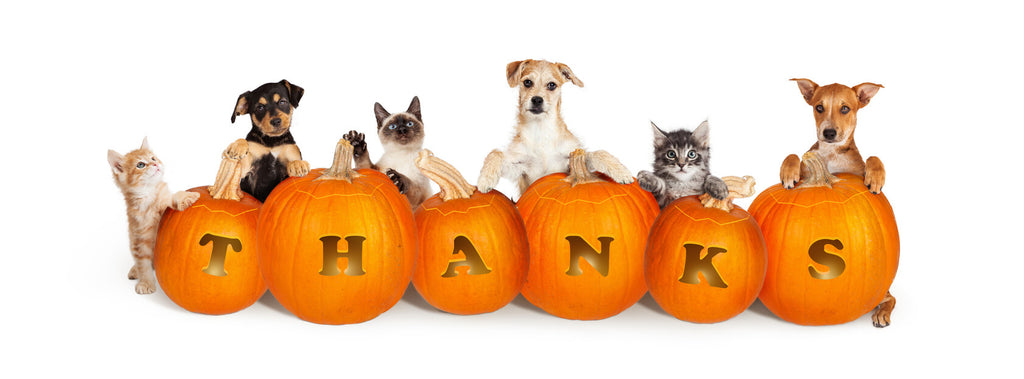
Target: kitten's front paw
x=298, y=168
x=358, y=141
x=146, y=285
x=790, y=171
x=237, y=149
x=397, y=179
x=187, y=199
x=648, y=181
x=716, y=188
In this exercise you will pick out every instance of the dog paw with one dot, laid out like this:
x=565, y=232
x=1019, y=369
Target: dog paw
x=790, y=171
x=146, y=285
x=716, y=188
x=298, y=168
x=237, y=149
x=874, y=175
x=397, y=179
x=649, y=182
x=620, y=174
x=881, y=319
x=358, y=141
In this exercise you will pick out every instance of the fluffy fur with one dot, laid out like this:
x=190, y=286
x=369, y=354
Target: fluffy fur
x=402, y=135
x=139, y=175
x=681, y=166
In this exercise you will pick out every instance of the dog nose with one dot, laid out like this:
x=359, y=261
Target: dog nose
x=537, y=100
x=276, y=122
x=829, y=134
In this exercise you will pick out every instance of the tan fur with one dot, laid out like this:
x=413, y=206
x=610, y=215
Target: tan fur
x=542, y=142
x=841, y=154
x=146, y=197
x=285, y=153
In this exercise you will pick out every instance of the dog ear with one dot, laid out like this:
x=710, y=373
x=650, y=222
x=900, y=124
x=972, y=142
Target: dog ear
x=414, y=108
x=381, y=113
x=294, y=92
x=702, y=135
x=659, y=135
x=865, y=91
x=807, y=88
x=514, y=71
x=241, y=107
x=115, y=158
x=567, y=73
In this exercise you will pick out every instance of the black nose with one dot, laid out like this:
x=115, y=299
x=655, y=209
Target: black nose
x=275, y=122
x=537, y=100
x=402, y=130
x=829, y=134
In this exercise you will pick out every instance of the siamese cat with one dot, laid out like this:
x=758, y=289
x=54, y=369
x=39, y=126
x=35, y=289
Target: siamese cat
x=401, y=134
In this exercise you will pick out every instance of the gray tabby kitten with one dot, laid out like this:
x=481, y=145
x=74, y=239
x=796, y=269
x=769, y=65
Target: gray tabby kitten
x=681, y=166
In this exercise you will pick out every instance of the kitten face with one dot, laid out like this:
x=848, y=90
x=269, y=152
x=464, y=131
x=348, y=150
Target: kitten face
x=681, y=153
x=404, y=128
x=138, y=168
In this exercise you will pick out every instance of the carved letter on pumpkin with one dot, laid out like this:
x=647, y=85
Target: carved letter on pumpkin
x=695, y=264
x=835, y=263
x=578, y=248
x=220, y=252
x=354, y=255
x=473, y=260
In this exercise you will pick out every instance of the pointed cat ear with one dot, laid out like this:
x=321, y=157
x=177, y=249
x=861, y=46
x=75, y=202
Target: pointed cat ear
x=659, y=135
x=865, y=91
x=114, y=159
x=145, y=143
x=241, y=106
x=567, y=73
x=701, y=135
x=513, y=71
x=414, y=108
x=381, y=113
x=807, y=88
x=294, y=92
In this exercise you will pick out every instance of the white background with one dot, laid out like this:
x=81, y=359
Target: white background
x=82, y=77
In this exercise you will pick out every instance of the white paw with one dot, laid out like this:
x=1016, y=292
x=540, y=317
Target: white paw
x=146, y=286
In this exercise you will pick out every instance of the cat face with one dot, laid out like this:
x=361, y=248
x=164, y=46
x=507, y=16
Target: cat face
x=138, y=168
x=405, y=128
x=681, y=153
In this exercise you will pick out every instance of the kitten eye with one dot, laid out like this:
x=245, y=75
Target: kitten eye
x=671, y=154
x=527, y=83
x=552, y=86
x=820, y=108
x=260, y=107
x=392, y=126
x=844, y=109
x=140, y=165
x=691, y=154
x=409, y=124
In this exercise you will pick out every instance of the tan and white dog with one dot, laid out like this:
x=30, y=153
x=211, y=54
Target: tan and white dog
x=542, y=142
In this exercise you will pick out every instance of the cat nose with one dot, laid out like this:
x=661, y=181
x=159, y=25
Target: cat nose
x=829, y=134
x=537, y=100
x=276, y=122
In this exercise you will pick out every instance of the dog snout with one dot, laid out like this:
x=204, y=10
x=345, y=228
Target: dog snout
x=276, y=122
x=537, y=100
x=829, y=134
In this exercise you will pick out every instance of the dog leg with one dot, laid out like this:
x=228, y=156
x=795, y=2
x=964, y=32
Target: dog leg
x=603, y=162
x=790, y=172
x=491, y=172
x=881, y=316
x=874, y=175
x=359, y=153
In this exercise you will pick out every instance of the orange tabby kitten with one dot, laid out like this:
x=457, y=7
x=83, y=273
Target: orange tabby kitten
x=139, y=175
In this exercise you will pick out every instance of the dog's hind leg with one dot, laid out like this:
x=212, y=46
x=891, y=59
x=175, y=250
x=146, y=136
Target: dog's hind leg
x=605, y=163
x=881, y=316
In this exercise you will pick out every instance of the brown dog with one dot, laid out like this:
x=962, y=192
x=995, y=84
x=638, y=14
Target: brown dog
x=835, y=116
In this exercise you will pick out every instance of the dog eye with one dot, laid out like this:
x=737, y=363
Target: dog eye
x=409, y=124
x=671, y=154
x=282, y=102
x=552, y=86
x=392, y=126
x=820, y=108
x=140, y=165
x=260, y=107
x=691, y=154
x=527, y=83
x=844, y=109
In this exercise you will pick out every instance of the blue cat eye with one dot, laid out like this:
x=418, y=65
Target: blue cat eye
x=409, y=124
x=392, y=126
x=140, y=165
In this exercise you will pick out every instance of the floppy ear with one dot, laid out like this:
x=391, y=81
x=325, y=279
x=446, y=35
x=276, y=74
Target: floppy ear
x=381, y=113
x=659, y=135
x=145, y=143
x=241, y=107
x=702, y=135
x=865, y=91
x=567, y=73
x=514, y=71
x=294, y=92
x=807, y=88
x=414, y=108
x=115, y=158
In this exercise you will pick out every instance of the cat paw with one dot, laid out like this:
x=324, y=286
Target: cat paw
x=185, y=200
x=790, y=171
x=358, y=141
x=648, y=181
x=133, y=273
x=716, y=188
x=298, y=168
x=237, y=149
x=146, y=286
x=397, y=179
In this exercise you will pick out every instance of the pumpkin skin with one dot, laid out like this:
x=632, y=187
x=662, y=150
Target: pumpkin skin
x=183, y=252
x=741, y=267
x=492, y=224
x=553, y=211
x=302, y=210
x=794, y=220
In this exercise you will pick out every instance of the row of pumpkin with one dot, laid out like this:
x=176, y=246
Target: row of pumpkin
x=339, y=246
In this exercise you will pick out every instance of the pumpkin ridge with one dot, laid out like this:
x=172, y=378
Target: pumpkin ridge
x=819, y=202
x=444, y=213
x=211, y=210
x=542, y=197
x=694, y=219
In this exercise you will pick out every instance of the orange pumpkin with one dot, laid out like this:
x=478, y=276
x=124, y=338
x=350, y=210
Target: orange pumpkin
x=705, y=258
x=205, y=257
x=833, y=247
x=587, y=236
x=473, y=248
x=337, y=245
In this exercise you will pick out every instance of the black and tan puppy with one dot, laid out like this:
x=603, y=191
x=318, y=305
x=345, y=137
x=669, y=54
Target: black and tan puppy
x=272, y=153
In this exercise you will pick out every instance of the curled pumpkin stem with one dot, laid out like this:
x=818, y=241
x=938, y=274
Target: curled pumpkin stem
x=229, y=175
x=578, y=171
x=738, y=188
x=815, y=172
x=453, y=184
x=341, y=167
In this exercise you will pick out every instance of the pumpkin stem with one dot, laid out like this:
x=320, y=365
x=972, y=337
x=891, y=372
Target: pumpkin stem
x=453, y=185
x=738, y=188
x=578, y=171
x=817, y=174
x=226, y=185
x=341, y=168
